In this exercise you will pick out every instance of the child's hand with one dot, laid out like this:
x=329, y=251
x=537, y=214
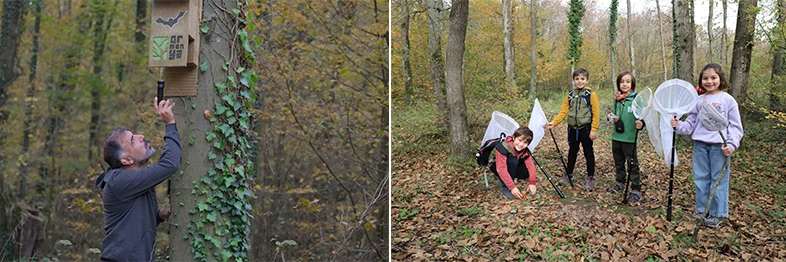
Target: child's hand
x=532, y=189
x=674, y=122
x=516, y=193
x=639, y=124
x=593, y=135
x=726, y=150
x=549, y=125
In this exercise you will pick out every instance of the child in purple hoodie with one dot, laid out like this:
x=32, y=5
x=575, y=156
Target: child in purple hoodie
x=709, y=151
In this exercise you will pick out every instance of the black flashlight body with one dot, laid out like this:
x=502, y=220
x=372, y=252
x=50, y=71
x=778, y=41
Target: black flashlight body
x=160, y=93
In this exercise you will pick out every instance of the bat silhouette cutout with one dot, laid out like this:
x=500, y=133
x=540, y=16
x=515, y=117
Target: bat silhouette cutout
x=172, y=21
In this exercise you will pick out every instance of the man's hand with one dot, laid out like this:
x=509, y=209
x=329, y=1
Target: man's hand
x=165, y=212
x=165, y=110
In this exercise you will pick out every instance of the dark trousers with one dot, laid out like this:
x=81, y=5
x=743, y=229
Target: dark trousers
x=626, y=153
x=576, y=137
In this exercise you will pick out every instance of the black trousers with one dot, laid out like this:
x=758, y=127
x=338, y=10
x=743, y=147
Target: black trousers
x=576, y=137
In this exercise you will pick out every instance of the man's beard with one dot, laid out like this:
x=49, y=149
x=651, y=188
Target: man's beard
x=146, y=158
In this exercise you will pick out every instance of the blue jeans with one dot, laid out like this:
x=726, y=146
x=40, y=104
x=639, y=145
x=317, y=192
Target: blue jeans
x=708, y=161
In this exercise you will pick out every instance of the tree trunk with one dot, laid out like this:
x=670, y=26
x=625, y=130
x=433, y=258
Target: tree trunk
x=31, y=102
x=613, y=41
x=779, y=49
x=141, y=22
x=196, y=165
x=662, y=44
x=507, y=39
x=533, y=52
x=99, y=44
x=724, y=39
x=709, y=31
x=684, y=39
x=630, y=43
x=10, y=30
x=437, y=62
x=743, y=47
x=408, y=92
x=454, y=66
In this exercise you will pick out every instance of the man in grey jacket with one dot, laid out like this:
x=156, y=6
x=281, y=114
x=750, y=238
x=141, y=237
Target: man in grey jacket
x=131, y=211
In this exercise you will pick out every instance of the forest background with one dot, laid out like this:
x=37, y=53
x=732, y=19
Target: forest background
x=72, y=70
x=454, y=63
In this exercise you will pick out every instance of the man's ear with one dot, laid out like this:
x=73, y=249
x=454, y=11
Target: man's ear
x=127, y=161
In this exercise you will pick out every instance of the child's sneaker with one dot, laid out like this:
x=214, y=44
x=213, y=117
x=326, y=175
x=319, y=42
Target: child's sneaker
x=713, y=221
x=697, y=216
x=565, y=179
x=590, y=184
x=619, y=187
x=634, y=196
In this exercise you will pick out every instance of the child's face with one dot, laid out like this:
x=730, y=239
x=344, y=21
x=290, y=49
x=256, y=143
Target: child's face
x=710, y=80
x=580, y=80
x=520, y=143
x=625, y=83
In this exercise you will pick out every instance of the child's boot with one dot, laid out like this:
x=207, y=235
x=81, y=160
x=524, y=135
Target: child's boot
x=634, y=196
x=618, y=187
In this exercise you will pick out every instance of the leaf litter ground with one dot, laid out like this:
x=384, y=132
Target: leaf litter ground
x=443, y=211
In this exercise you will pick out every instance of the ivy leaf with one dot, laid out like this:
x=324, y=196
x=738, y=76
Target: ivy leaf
x=212, y=217
x=209, y=135
x=211, y=155
x=221, y=87
x=202, y=207
x=220, y=108
x=225, y=255
x=218, y=144
x=203, y=66
x=204, y=29
x=229, y=181
x=240, y=170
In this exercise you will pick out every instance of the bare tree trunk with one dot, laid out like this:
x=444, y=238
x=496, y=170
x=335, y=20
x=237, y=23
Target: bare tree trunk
x=613, y=41
x=779, y=50
x=709, y=31
x=12, y=21
x=141, y=21
x=743, y=47
x=436, y=60
x=533, y=52
x=408, y=92
x=724, y=39
x=454, y=71
x=630, y=43
x=684, y=39
x=99, y=44
x=662, y=44
x=31, y=94
x=507, y=36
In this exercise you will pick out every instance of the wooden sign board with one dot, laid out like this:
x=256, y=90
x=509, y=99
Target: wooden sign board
x=173, y=29
x=174, y=44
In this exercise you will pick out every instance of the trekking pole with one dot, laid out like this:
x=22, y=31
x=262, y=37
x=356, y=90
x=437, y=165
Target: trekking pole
x=565, y=167
x=671, y=174
x=630, y=161
x=547, y=174
x=726, y=163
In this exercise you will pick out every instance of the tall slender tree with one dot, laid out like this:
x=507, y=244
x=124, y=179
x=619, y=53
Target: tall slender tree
x=30, y=99
x=743, y=48
x=709, y=31
x=100, y=31
x=436, y=60
x=613, y=40
x=533, y=52
x=507, y=39
x=662, y=44
x=778, y=75
x=630, y=41
x=404, y=26
x=724, y=37
x=454, y=72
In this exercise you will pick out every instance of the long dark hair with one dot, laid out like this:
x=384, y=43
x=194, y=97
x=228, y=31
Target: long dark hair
x=718, y=70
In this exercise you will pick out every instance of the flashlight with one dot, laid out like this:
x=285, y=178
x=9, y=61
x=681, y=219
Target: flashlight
x=160, y=94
